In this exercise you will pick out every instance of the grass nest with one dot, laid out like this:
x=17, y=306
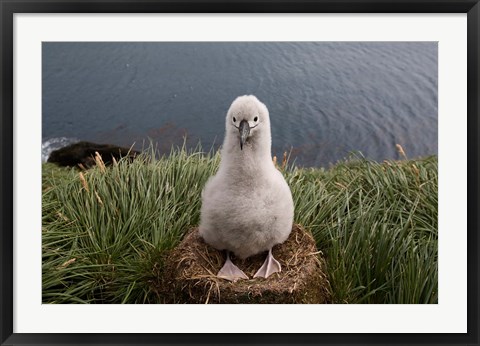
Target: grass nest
x=191, y=268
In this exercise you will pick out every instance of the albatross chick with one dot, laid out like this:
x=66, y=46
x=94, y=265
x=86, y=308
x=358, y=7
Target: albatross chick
x=247, y=207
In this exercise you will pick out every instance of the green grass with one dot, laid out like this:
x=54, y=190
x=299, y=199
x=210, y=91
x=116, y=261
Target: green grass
x=105, y=242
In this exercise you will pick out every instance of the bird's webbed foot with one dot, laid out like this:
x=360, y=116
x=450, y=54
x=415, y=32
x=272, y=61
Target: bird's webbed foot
x=230, y=271
x=270, y=266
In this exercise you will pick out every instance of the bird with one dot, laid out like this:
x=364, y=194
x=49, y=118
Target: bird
x=247, y=206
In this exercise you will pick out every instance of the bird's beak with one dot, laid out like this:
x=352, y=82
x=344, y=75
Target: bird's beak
x=244, y=129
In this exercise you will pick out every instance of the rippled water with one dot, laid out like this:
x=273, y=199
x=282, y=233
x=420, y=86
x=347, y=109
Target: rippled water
x=326, y=99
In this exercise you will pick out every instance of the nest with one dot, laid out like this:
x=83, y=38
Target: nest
x=191, y=270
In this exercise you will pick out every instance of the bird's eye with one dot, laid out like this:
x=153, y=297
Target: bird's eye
x=255, y=119
x=234, y=120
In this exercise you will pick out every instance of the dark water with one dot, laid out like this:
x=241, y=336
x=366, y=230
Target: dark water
x=325, y=99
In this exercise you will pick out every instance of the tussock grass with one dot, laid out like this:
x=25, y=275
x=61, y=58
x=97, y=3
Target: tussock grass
x=106, y=232
x=377, y=224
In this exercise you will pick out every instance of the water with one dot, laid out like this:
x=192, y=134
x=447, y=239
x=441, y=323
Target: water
x=326, y=99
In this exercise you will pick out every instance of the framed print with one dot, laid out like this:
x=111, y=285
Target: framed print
x=239, y=173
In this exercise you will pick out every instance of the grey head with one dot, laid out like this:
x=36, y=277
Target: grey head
x=248, y=121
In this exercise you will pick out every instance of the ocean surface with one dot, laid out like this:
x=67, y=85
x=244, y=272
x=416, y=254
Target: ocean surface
x=326, y=99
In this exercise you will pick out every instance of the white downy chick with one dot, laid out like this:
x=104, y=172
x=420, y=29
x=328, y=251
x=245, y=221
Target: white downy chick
x=247, y=207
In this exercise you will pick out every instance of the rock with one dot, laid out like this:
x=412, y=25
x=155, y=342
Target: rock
x=83, y=154
x=191, y=268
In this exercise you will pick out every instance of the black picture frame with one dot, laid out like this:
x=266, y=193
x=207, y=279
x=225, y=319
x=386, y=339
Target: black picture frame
x=9, y=7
